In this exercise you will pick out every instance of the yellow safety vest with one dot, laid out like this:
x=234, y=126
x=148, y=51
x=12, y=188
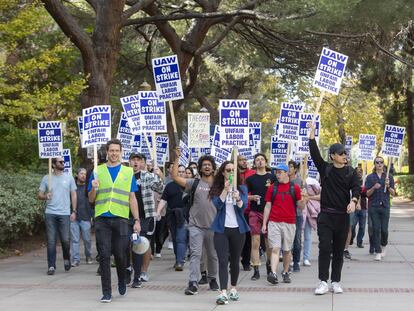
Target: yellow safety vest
x=112, y=196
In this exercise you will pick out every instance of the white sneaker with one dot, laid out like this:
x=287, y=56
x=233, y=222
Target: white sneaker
x=383, y=251
x=144, y=277
x=322, y=288
x=157, y=255
x=378, y=257
x=306, y=263
x=336, y=288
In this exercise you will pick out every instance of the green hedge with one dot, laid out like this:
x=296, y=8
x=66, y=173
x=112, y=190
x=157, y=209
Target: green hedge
x=21, y=213
x=405, y=185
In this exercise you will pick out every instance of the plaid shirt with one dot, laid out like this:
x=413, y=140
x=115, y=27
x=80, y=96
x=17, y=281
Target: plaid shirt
x=148, y=183
x=378, y=198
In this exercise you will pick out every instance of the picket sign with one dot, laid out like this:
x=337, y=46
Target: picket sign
x=235, y=154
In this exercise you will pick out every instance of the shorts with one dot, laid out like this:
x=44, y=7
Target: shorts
x=255, y=222
x=281, y=235
x=147, y=226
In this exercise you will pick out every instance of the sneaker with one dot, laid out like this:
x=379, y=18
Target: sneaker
x=144, y=277
x=306, y=263
x=191, y=289
x=234, y=295
x=170, y=245
x=222, y=299
x=383, y=251
x=67, y=265
x=268, y=268
x=106, y=298
x=360, y=245
x=213, y=285
x=98, y=271
x=286, y=277
x=322, y=288
x=157, y=255
x=179, y=267
x=89, y=260
x=256, y=274
x=122, y=288
x=136, y=284
x=128, y=273
x=336, y=288
x=378, y=257
x=296, y=267
x=51, y=271
x=272, y=278
x=247, y=267
x=75, y=264
x=347, y=254
x=371, y=250
x=203, y=279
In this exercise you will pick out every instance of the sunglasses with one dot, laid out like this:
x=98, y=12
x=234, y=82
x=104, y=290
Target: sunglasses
x=379, y=162
x=61, y=162
x=229, y=170
x=341, y=153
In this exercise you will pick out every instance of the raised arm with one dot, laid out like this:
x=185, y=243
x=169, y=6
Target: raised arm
x=174, y=172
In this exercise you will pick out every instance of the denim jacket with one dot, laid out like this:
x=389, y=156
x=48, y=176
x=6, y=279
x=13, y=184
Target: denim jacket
x=219, y=221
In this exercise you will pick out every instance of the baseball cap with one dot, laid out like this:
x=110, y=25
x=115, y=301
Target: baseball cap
x=282, y=167
x=336, y=148
x=137, y=155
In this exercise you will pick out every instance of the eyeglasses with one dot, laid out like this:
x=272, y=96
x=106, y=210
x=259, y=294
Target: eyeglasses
x=229, y=170
x=181, y=171
x=379, y=162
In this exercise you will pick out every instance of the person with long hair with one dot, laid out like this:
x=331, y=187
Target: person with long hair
x=229, y=227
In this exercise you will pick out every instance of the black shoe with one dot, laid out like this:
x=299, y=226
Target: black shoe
x=128, y=276
x=256, y=274
x=178, y=267
x=247, y=267
x=191, y=289
x=268, y=268
x=213, y=285
x=347, y=254
x=371, y=250
x=51, y=271
x=122, y=288
x=272, y=278
x=360, y=245
x=67, y=265
x=296, y=267
x=136, y=284
x=286, y=277
x=351, y=242
x=98, y=272
x=203, y=279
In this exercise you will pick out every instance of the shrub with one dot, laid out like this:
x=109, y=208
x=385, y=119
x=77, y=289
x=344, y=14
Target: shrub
x=21, y=213
x=405, y=185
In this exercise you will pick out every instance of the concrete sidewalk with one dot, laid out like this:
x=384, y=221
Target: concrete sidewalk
x=368, y=285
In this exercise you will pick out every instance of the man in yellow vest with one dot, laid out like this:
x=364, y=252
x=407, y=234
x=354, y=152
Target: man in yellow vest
x=113, y=191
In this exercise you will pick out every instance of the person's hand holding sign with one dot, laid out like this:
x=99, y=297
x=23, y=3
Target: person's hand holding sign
x=312, y=130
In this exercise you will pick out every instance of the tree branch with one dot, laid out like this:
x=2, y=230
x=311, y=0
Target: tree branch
x=220, y=37
x=139, y=5
x=93, y=4
x=71, y=29
x=363, y=35
x=248, y=14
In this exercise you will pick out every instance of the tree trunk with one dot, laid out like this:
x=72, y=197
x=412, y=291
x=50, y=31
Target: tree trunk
x=410, y=130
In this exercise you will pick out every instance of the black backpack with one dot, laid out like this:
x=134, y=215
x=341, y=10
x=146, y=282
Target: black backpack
x=188, y=200
x=291, y=192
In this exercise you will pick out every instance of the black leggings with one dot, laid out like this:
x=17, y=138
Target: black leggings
x=229, y=246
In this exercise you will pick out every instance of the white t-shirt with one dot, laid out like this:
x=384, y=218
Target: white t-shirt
x=231, y=219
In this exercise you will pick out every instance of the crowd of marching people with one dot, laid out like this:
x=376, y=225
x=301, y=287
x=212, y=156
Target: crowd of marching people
x=218, y=218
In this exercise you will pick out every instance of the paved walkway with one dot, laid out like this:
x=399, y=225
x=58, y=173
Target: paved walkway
x=368, y=285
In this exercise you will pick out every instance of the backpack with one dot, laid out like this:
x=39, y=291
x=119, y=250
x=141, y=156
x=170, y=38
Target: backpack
x=188, y=200
x=291, y=192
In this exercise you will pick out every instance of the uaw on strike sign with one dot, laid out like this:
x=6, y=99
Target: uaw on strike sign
x=393, y=140
x=234, y=123
x=50, y=139
x=96, y=125
x=167, y=78
x=330, y=71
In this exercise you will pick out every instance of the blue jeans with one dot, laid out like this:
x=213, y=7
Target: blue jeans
x=360, y=219
x=297, y=243
x=380, y=218
x=179, y=239
x=57, y=224
x=76, y=228
x=307, y=241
